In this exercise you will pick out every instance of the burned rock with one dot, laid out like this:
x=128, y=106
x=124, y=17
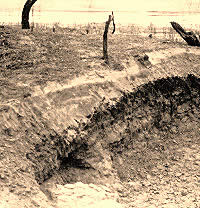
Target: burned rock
x=143, y=59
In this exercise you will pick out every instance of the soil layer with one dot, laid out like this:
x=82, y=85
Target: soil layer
x=67, y=117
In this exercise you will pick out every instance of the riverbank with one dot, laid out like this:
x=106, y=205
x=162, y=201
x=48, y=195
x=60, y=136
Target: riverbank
x=62, y=120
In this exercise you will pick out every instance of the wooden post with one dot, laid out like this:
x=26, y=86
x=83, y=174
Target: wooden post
x=189, y=37
x=105, y=38
x=54, y=29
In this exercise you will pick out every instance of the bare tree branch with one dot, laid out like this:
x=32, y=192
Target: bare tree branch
x=25, y=13
x=189, y=37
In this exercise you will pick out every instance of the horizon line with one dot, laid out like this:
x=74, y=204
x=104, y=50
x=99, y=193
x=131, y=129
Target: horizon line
x=98, y=10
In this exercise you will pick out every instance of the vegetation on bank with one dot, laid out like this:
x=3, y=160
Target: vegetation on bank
x=35, y=57
x=38, y=57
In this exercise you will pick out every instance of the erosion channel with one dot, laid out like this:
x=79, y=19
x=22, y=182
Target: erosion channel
x=123, y=135
x=142, y=134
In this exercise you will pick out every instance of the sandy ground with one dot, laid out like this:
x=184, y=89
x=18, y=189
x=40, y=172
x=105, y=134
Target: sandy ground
x=50, y=82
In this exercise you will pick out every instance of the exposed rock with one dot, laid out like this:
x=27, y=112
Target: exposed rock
x=143, y=59
x=150, y=35
x=105, y=148
x=84, y=196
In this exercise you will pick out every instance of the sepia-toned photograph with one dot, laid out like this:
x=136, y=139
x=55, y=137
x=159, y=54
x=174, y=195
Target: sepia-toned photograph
x=99, y=104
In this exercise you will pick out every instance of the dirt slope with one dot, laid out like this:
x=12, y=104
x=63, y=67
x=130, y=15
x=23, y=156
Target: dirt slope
x=51, y=84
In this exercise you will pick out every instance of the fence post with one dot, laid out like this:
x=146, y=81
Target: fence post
x=105, y=37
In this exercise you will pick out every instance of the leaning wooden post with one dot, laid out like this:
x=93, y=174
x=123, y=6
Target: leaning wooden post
x=189, y=37
x=105, y=38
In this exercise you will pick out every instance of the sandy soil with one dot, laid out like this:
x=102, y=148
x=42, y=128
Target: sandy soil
x=55, y=95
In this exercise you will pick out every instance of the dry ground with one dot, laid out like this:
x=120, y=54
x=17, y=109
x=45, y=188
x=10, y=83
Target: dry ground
x=50, y=81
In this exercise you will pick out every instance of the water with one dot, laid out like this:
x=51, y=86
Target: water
x=160, y=19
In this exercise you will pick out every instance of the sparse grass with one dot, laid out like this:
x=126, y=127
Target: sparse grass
x=63, y=53
x=58, y=56
x=152, y=28
x=98, y=29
